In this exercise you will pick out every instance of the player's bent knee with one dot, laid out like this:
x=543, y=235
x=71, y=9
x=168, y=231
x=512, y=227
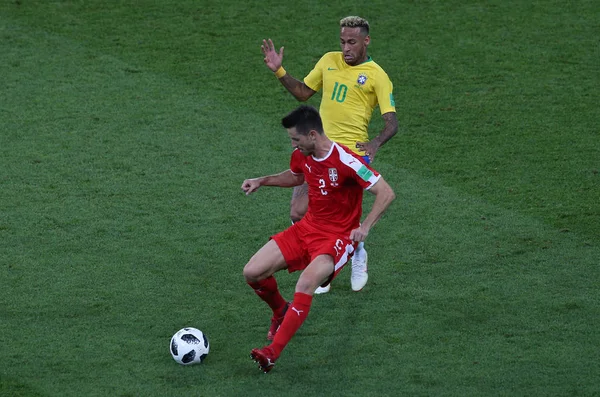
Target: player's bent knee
x=251, y=273
x=307, y=286
x=296, y=214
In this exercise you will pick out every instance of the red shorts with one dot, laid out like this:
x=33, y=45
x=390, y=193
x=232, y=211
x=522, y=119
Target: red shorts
x=301, y=243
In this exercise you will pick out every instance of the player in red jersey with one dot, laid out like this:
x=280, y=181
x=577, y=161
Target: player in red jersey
x=320, y=243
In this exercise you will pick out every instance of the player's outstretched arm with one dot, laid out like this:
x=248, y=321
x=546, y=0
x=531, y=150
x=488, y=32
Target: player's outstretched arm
x=389, y=130
x=274, y=60
x=384, y=195
x=283, y=179
x=297, y=88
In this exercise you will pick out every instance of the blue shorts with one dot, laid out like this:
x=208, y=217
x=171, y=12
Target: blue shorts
x=366, y=158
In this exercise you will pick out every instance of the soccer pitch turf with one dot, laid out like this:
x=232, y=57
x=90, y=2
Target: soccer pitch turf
x=126, y=131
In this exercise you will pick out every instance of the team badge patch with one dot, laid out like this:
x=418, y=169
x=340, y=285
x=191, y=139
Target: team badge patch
x=362, y=79
x=333, y=175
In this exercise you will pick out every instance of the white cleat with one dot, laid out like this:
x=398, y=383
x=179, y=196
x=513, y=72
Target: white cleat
x=359, y=276
x=323, y=290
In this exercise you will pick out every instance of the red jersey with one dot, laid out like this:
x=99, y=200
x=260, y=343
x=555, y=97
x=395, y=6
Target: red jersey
x=335, y=187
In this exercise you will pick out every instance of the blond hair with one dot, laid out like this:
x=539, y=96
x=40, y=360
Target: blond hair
x=355, y=22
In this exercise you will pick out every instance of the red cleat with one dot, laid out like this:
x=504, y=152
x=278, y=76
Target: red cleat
x=276, y=322
x=264, y=358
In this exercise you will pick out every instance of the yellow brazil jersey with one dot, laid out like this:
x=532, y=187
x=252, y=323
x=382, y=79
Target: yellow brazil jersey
x=350, y=94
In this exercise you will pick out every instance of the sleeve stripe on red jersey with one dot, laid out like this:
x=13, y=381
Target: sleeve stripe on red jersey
x=363, y=172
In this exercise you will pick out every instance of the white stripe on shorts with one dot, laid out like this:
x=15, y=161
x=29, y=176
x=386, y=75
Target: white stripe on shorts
x=344, y=258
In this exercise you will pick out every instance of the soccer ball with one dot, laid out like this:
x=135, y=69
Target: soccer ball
x=189, y=346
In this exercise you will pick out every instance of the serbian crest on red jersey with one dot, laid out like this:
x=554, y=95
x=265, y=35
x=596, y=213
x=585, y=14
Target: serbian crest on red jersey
x=333, y=176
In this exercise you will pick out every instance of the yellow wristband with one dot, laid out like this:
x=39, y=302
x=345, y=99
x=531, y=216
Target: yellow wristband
x=280, y=72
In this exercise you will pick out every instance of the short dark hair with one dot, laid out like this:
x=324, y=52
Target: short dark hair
x=305, y=118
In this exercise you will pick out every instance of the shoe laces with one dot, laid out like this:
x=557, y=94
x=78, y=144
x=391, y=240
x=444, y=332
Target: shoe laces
x=358, y=263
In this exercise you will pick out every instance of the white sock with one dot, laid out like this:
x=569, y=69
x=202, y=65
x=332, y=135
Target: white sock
x=361, y=246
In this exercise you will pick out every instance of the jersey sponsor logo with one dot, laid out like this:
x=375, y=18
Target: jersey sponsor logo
x=297, y=311
x=307, y=166
x=333, y=175
x=331, y=69
x=362, y=79
x=364, y=173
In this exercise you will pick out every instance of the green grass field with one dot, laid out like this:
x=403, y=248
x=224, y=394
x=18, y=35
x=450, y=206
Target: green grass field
x=127, y=128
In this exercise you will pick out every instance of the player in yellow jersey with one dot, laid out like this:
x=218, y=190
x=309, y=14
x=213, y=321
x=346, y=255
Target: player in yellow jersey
x=353, y=86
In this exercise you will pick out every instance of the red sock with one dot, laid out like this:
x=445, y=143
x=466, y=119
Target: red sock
x=294, y=317
x=267, y=290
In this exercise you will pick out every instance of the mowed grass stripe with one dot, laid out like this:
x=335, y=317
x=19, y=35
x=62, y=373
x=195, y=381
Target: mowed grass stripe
x=476, y=290
x=109, y=223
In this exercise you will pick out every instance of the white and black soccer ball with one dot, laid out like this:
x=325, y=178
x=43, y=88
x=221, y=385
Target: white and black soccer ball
x=189, y=346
